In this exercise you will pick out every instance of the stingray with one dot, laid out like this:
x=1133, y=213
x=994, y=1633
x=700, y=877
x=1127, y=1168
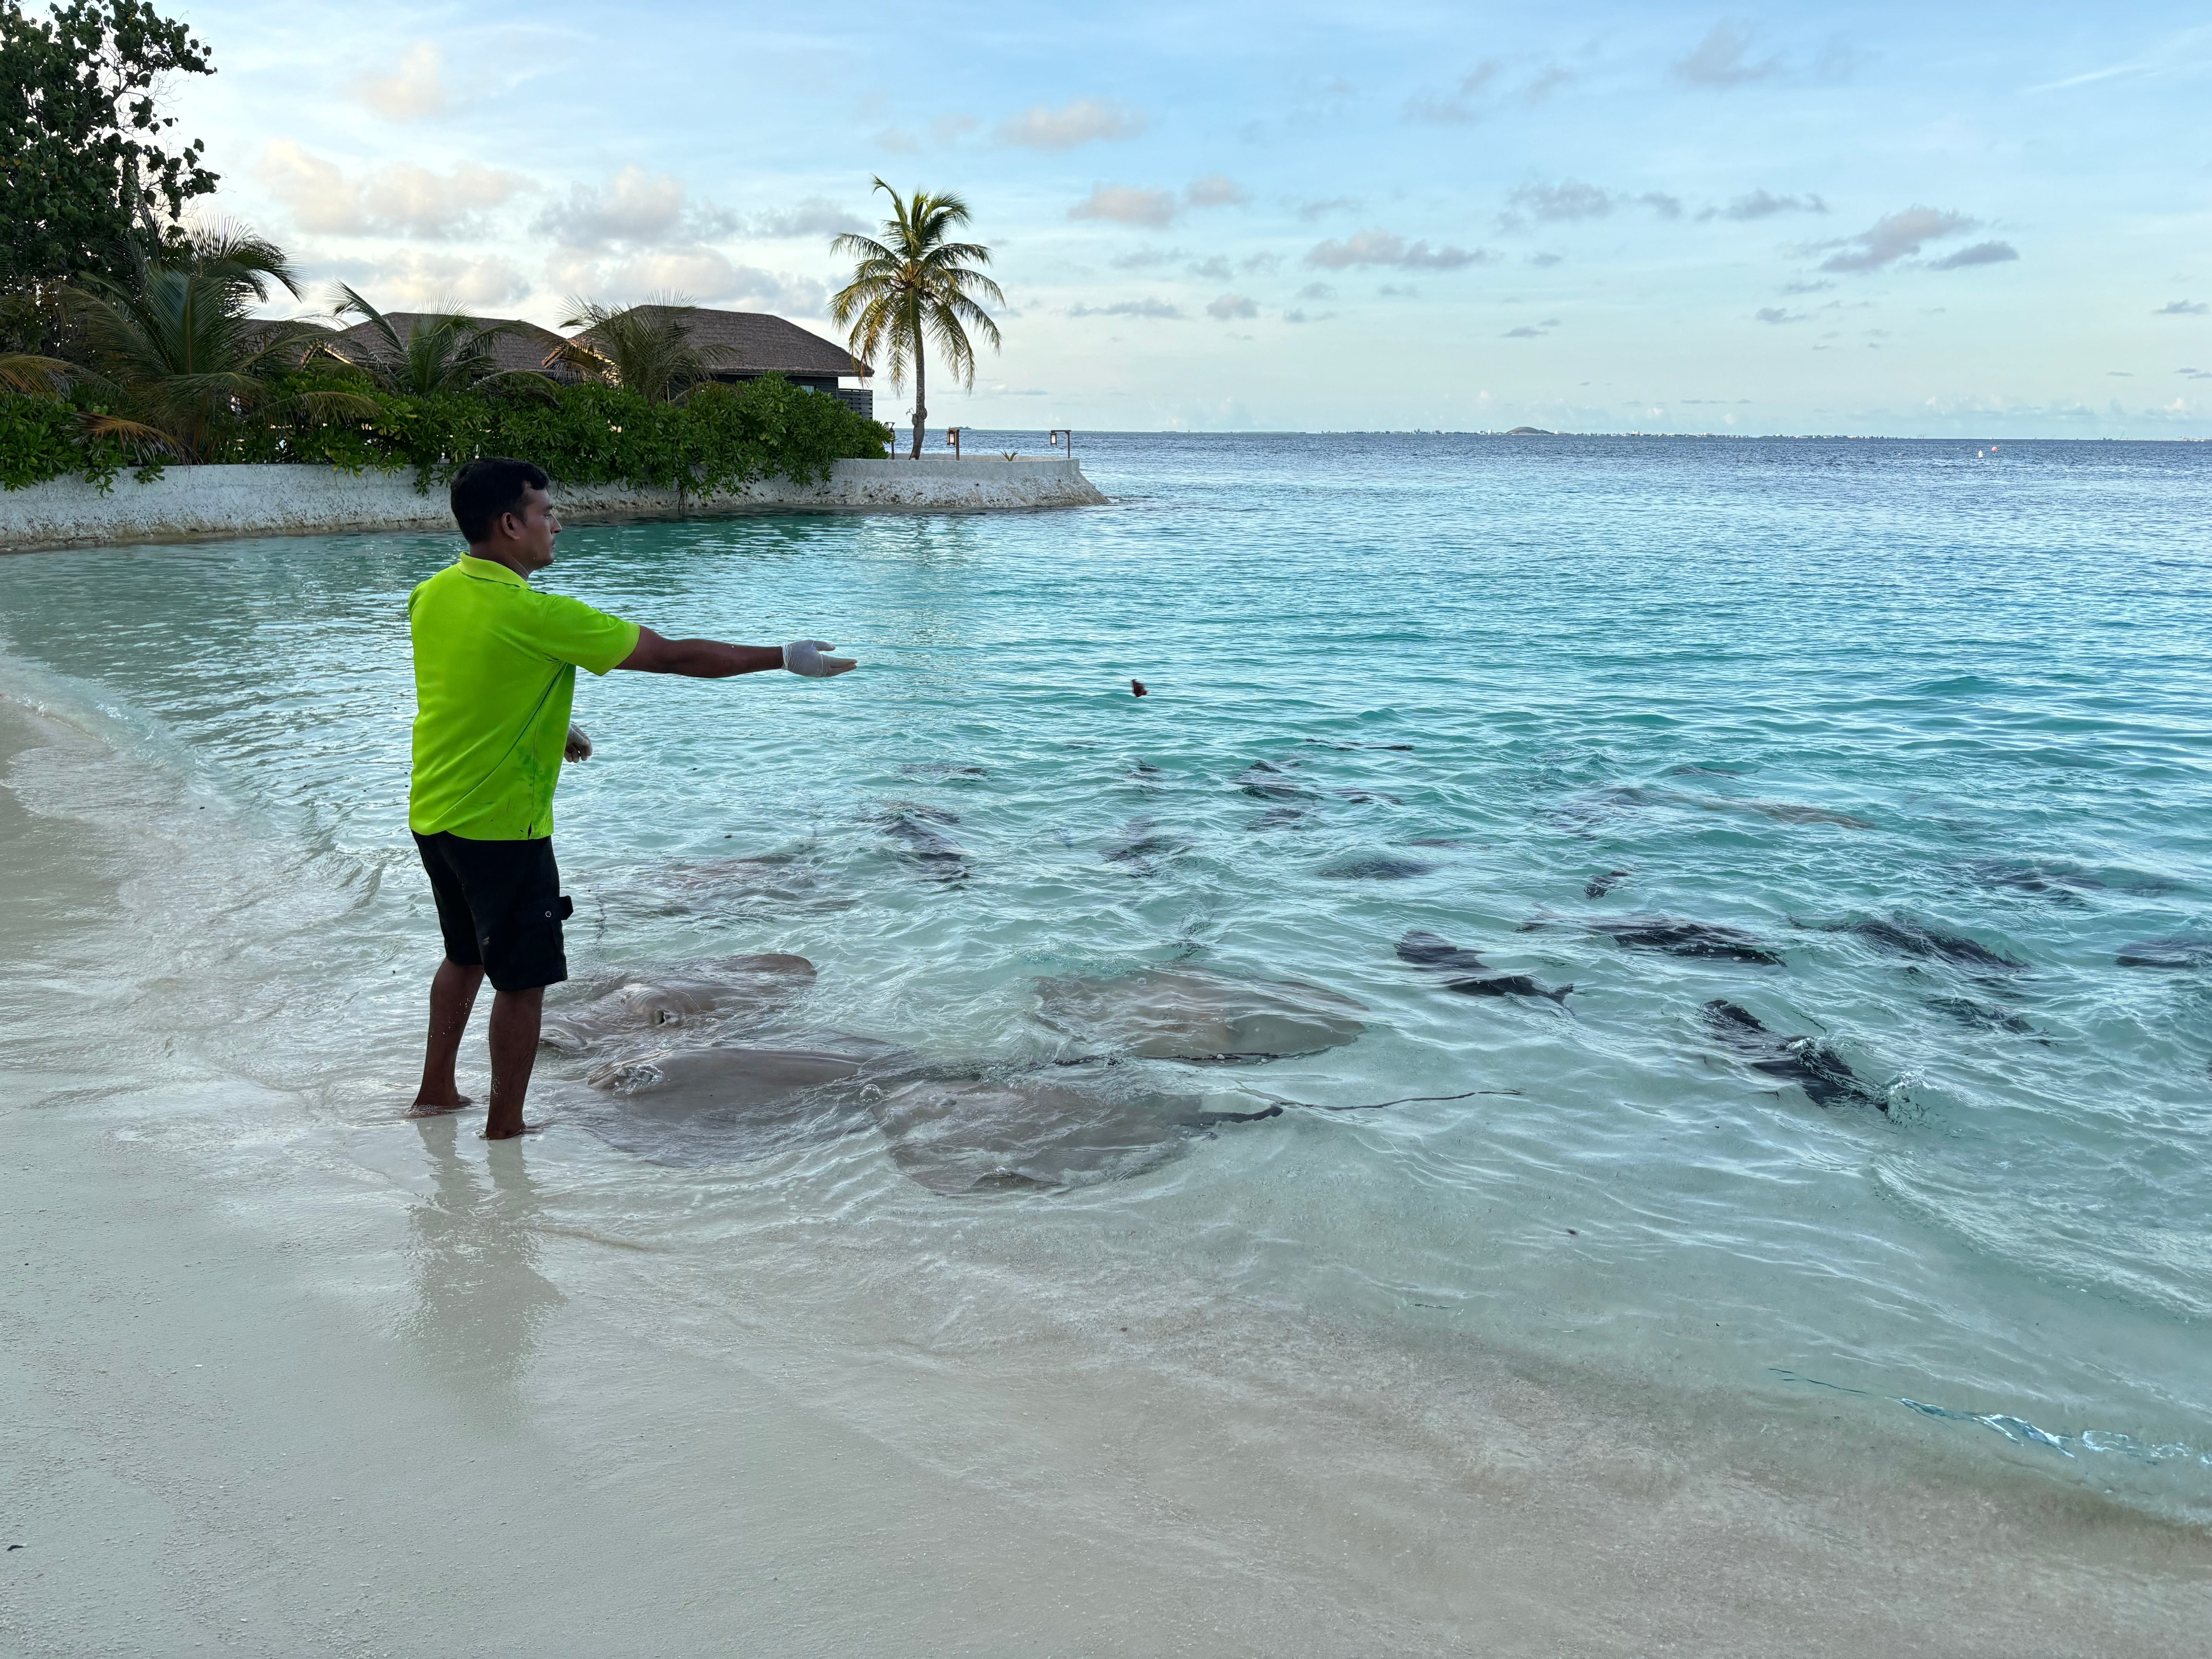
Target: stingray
x=1967, y=1012
x=726, y=986
x=1677, y=938
x=934, y=853
x=968, y=1134
x=2062, y=881
x=1598, y=886
x=1618, y=797
x=1440, y=954
x=1279, y=818
x=719, y=884
x=1810, y=1064
x=1187, y=1013
x=727, y=1105
x=1374, y=867
x=1267, y=782
x=941, y=769
x=1913, y=938
x=2174, y=953
x=1141, y=843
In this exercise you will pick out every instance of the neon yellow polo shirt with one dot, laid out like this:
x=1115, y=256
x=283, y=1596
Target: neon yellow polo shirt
x=496, y=665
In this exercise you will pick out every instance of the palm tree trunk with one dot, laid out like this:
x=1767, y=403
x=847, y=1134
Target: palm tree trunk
x=920, y=373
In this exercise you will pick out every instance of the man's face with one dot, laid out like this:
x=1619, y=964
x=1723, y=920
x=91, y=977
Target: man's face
x=527, y=530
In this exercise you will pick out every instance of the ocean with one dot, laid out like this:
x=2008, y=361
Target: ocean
x=1861, y=790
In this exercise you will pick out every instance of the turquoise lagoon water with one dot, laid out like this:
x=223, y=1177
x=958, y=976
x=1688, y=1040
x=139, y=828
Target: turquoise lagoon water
x=1521, y=664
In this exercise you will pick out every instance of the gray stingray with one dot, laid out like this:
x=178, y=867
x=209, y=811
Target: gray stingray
x=1809, y=1063
x=1675, y=936
x=1619, y=797
x=955, y=1134
x=941, y=769
x=1967, y=1012
x=1374, y=867
x=2175, y=953
x=723, y=987
x=1439, y=955
x=1266, y=779
x=727, y=1105
x=934, y=852
x=1187, y=1013
x=1598, y=886
x=1279, y=818
x=1141, y=843
x=1913, y=938
x=711, y=886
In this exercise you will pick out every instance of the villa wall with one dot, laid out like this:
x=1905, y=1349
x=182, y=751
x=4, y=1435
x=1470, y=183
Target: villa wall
x=187, y=502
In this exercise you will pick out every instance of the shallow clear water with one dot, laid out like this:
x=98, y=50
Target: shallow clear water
x=1522, y=664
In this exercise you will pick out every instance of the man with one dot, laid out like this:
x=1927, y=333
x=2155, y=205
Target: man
x=496, y=665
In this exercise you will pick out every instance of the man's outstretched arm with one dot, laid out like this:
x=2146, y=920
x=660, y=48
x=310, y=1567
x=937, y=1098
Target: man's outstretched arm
x=712, y=660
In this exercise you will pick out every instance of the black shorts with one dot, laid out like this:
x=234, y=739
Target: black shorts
x=499, y=905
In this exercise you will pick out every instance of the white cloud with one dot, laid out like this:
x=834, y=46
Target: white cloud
x=1127, y=205
x=1321, y=206
x=1041, y=127
x=636, y=208
x=817, y=216
x=1982, y=253
x=1380, y=247
x=411, y=280
x=1216, y=190
x=1159, y=310
x=702, y=275
x=415, y=88
x=1765, y=204
x=398, y=200
x=1723, y=59
x=1776, y=314
x=1230, y=306
x=1570, y=200
x=2181, y=308
x=1894, y=236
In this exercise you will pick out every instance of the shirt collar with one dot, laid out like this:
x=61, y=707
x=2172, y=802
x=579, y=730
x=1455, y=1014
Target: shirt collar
x=490, y=570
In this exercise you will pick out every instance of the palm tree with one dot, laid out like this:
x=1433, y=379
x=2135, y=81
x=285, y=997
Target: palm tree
x=646, y=348
x=446, y=351
x=914, y=285
x=178, y=357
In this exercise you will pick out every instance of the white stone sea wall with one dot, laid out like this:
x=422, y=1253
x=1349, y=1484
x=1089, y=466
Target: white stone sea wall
x=188, y=503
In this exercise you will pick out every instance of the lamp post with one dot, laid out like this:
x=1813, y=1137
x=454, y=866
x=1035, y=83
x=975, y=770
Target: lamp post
x=952, y=439
x=1056, y=435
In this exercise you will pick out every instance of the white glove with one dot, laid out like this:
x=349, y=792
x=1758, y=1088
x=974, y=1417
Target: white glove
x=804, y=657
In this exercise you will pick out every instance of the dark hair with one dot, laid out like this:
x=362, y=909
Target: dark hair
x=487, y=488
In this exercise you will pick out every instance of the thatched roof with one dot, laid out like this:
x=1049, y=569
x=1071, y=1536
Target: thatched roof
x=525, y=345
x=749, y=342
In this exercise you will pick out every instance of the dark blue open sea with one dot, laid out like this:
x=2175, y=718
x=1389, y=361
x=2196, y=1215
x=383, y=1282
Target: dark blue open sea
x=1861, y=791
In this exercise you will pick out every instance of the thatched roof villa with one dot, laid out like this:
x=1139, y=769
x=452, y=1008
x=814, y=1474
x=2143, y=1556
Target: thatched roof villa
x=738, y=346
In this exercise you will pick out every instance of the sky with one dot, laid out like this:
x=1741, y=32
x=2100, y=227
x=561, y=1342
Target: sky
x=1975, y=220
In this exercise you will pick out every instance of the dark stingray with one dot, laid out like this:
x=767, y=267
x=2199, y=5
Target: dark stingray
x=1678, y=938
x=2064, y=882
x=2177, y=952
x=1279, y=818
x=1702, y=770
x=1365, y=795
x=1913, y=938
x=1374, y=867
x=1810, y=1064
x=1266, y=780
x=1426, y=950
x=1330, y=743
x=1440, y=954
x=934, y=852
x=1598, y=886
x=1141, y=843
x=941, y=769
x=1436, y=840
x=1967, y=1012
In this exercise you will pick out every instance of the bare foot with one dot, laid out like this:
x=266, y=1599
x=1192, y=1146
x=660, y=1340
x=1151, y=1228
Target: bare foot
x=425, y=1108
x=509, y=1134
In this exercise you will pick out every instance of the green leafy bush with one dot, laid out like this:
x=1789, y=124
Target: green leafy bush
x=720, y=439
